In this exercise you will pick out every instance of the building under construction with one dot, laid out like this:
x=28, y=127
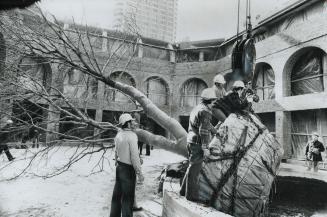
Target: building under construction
x=289, y=76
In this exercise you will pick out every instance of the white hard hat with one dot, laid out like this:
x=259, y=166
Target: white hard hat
x=315, y=134
x=238, y=84
x=124, y=118
x=9, y=122
x=219, y=79
x=208, y=93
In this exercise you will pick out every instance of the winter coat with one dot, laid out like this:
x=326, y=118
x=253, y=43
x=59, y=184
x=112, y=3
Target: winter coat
x=309, y=150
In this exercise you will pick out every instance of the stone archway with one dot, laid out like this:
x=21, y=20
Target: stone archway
x=35, y=71
x=303, y=72
x=115, y=95
x=264, y=81
x=191, y=91
x=80, y=85
x=157, y=90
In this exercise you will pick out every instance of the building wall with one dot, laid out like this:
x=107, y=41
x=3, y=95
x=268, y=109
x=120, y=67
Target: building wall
x=303, y=31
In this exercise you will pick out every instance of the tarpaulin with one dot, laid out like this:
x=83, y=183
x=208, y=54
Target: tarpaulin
x=157, y=91
x=306, y=75
x=191, y=92
x=238, y=175
x=265, y=82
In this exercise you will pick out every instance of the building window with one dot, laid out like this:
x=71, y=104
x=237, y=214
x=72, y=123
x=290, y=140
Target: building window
x=80, y=85
x=157, y=90
x=307, y=73
x=115, y=95
x=264, y=81
x=191, y=92
x=34, y=72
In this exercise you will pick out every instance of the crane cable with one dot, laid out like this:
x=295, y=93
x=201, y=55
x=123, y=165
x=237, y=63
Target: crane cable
x=238, y=20
x=248, y=15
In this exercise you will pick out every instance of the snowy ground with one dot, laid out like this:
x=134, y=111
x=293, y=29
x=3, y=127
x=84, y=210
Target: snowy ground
x=77, y=192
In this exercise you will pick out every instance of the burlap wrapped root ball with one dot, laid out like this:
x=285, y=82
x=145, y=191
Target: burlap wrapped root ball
x=242, y=167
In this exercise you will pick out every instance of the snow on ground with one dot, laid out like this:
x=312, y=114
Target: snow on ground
x=77, y=192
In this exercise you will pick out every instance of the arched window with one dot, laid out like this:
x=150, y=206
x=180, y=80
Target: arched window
x=80, y=85
x=307, y=73
x=34, y=72
x=191, y=92
x=264, y=81
x=157, y=90
x=115, y=95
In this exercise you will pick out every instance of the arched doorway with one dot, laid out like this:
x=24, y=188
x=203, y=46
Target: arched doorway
x=34, y=72
x=34, y=76
x=113, y=94
x=157, y=90
x=191, y=91
x=79, y=85
x=304, y=72
x=264, y=81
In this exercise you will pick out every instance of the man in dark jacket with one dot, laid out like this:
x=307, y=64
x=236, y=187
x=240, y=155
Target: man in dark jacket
x=313, y=152
x=4, y=135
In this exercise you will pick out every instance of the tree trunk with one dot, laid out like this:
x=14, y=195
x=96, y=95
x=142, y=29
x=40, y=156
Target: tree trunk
x=152, y=111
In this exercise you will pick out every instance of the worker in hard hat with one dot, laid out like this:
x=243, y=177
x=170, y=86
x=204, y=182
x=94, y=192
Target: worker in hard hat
x=248, y=91
x=199, y=135
x=128, y=168
x=4, y=138
x=233, y=102
x=220, y=92
x=219, y=82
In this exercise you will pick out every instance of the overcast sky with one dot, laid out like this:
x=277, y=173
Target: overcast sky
x=197, y=19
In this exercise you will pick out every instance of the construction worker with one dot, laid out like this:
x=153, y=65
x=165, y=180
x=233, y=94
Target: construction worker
x=313, y=152
x=198, y=138
x=128, y=167
x=220, y=92
x=219, y=82
x=233, y=102
x=248, y=91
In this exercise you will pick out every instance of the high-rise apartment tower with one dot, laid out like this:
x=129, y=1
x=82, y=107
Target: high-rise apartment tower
x=151, y=18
